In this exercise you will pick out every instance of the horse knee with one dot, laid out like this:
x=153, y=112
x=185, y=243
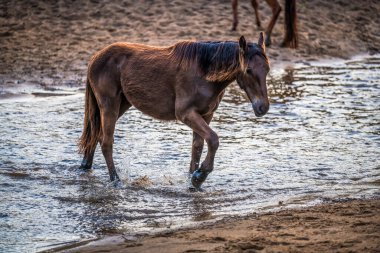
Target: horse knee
x=198, y=143
x=213, y=141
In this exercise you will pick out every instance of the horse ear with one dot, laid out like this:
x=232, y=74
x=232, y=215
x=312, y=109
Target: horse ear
x=261, y=41
x=243, y=48
x=243, y=44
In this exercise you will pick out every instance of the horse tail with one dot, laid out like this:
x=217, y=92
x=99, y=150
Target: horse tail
x=291, y=33
x=91, y=129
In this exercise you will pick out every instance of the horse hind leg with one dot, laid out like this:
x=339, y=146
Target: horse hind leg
x=109, y=114
x=89, y=156
x=124, y=105
x=276, y=9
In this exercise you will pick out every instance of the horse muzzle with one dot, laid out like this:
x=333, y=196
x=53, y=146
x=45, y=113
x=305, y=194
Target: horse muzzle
x=260, y=108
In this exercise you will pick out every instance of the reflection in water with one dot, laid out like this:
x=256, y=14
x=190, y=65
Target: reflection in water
x=200, y=209
x=282, y=90
x=320, y=140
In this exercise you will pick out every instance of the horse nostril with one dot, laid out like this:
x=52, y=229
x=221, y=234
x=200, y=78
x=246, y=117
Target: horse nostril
x=261, y=109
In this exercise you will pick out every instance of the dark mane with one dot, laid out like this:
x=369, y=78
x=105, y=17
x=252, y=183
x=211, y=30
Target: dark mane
x=216, y=61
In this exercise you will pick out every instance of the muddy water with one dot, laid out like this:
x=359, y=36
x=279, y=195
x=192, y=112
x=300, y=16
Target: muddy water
x=320, y=140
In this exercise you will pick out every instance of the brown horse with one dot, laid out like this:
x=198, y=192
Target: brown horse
x=184, y=82
x=291, y=36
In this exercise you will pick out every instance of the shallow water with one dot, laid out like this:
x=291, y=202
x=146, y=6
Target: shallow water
x=320, y=140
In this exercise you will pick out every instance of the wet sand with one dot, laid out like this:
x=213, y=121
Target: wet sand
x=49, y=43
x=350, y=226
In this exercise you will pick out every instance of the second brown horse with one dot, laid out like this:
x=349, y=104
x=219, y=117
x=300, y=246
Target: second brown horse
x=184, y=82
x=291, y=34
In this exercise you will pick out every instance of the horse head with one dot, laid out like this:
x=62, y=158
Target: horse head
x=254, y=67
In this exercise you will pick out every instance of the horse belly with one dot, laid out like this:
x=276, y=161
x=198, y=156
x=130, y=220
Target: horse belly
x=154, y=100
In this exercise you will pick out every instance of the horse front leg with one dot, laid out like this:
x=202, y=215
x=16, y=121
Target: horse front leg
x=196, y=152
x=199, y=125
x=197, y=147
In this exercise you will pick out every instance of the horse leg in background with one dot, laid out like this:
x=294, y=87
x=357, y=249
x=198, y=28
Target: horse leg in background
x=235, y=14
x=291, y=33
x=276, y=9
x=196, y=150
x=255, y=7
x=195, y=121
x=124, y=106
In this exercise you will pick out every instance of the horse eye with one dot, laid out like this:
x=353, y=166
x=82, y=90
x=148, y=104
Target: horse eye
x=249, y=71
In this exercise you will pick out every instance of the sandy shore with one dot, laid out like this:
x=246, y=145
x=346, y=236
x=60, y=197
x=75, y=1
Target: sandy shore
x=350, y=226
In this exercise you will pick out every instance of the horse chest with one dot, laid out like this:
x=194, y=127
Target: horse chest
x=208, y=102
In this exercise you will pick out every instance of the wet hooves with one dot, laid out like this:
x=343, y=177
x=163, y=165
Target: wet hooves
x=193, y=189
x=198, y=178
x=114, y=177
x=85, y=165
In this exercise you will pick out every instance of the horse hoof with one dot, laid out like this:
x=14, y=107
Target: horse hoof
x=85, y=167
x=198, y=178
x=114, y=177
x=193, y=189
x=117, y=183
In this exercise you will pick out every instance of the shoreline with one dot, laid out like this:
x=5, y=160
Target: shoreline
x=351, y=225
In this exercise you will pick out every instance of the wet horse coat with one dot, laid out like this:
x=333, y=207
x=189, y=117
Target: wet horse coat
x=184, y=82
